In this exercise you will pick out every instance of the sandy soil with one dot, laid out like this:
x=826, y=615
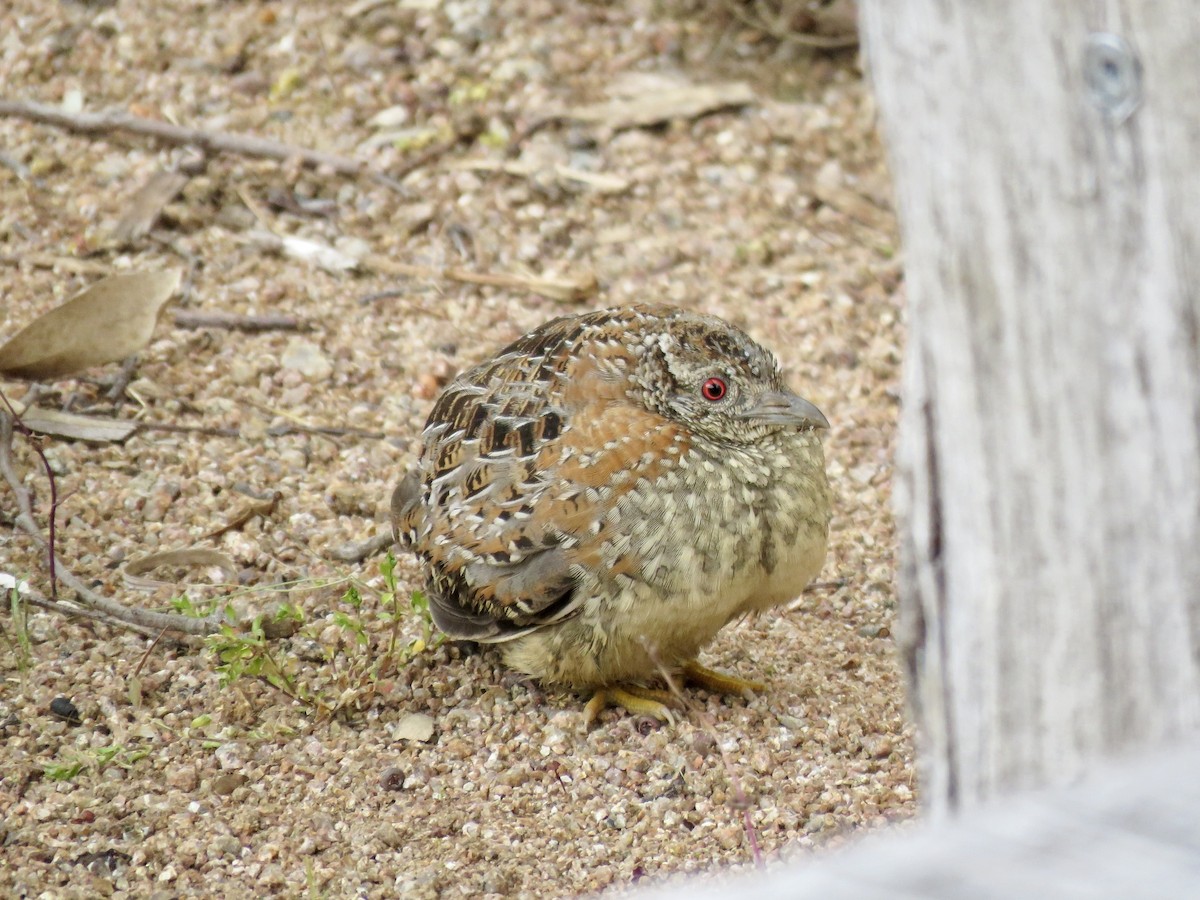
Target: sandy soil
x=431, y=771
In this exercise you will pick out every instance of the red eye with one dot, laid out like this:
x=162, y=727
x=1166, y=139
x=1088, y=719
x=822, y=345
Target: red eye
x=713, y=389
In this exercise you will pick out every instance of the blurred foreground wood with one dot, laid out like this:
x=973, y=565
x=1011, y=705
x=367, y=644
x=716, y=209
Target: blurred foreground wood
x=1048, y=480
x=1130, y=830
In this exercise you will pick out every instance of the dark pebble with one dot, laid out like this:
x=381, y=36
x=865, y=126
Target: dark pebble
x=65, y=710
x=392, y=778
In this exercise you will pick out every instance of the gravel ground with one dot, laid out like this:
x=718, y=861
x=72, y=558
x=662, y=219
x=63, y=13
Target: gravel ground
x=431, y=771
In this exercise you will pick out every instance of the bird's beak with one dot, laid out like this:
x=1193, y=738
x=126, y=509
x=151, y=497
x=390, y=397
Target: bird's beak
x=786, y=408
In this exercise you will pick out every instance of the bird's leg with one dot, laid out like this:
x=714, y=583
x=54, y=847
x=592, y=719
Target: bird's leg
x=717, y=682
x=642, y=701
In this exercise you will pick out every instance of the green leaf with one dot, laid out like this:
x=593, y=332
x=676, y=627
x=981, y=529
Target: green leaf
x=419, y=602
x=289, y=612
x=63, y=771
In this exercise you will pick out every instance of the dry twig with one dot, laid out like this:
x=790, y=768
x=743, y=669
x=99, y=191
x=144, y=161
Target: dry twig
x=63, y=607
x=52, y=261
x=210, y=430
x=187, y=318
x=178, y=135
x=648, y=109
x=257, y=508
x=464, y=132
x=357, y=551
x=98, y=606
x=568, y=288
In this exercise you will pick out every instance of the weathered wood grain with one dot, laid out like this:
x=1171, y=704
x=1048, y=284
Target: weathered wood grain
x=1049, y=463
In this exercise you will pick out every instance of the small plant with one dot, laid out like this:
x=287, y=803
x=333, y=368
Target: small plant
x=370, y=668
x=186, y=606
x=21, y=645
x=358, y=665
x=118, y=755
x=249, y=652
x=418, y=605
x=96, y=760
x=63, y=771
x=310, y=879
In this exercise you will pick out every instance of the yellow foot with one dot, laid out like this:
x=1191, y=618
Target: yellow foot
x=641, y=701
x=718, y=682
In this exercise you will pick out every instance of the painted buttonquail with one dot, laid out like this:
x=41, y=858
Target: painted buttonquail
x=608, y=492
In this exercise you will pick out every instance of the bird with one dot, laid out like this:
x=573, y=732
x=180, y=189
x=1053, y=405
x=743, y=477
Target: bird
x=607, y=492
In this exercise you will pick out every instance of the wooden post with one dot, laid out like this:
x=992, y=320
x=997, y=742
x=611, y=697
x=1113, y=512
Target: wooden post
x=1046, y=156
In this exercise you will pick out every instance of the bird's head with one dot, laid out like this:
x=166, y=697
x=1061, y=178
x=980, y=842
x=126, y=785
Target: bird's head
x=715, y=379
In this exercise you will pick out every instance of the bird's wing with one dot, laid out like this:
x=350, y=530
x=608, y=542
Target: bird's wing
x=510, y=499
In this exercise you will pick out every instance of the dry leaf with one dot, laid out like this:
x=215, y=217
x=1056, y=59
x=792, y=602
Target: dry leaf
x=77, y=427
x=317, y=253
x=257, y=508
x=110, y=320
x=146, y=206
x=829, y=187
x=136, y=569
x=413, y=727
x=656, y=107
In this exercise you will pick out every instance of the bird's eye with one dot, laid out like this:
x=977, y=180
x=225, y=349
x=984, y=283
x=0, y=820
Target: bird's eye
x=713, y=389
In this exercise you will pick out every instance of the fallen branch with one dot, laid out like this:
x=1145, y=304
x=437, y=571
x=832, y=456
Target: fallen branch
x=64, y=608
x=178, y=135
x=100, y=606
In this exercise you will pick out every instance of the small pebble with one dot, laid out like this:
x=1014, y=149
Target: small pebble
x=390, y=836
x=704, y=743
x=305, y=357
x=183, y=778
x=227, y=782
x=392, y=778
